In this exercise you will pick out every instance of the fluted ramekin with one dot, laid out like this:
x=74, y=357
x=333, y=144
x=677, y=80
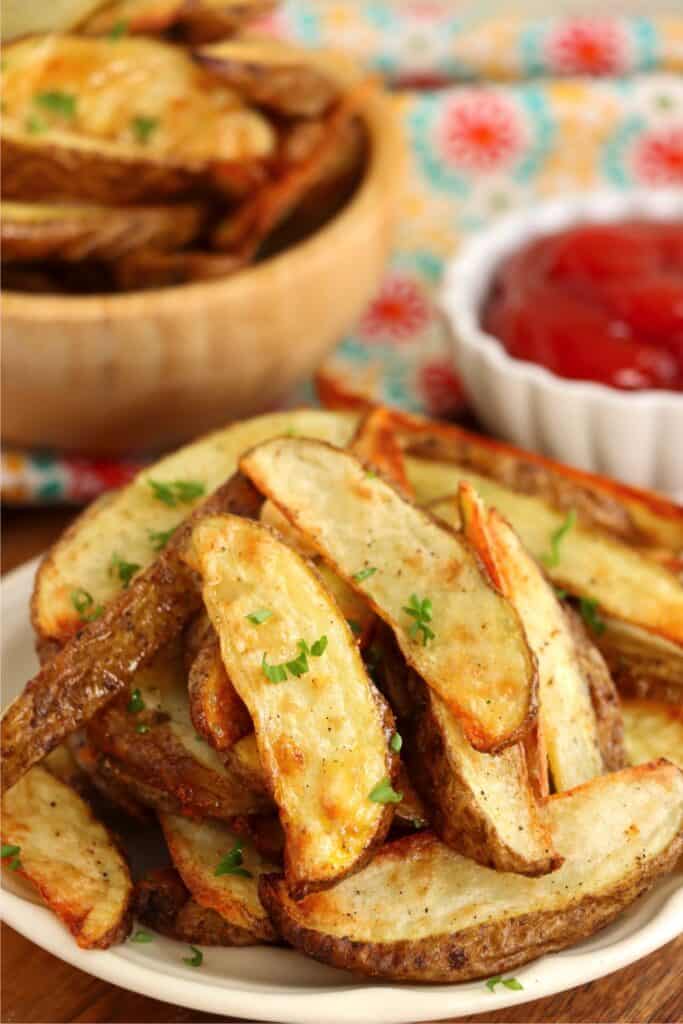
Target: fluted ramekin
x=635, y=436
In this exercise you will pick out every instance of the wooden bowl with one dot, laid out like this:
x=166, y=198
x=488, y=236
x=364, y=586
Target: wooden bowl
x=115, y=373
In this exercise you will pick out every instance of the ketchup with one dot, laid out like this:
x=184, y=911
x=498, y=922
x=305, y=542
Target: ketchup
x=600, y=302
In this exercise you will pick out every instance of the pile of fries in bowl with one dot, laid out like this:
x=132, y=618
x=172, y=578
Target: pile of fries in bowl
x=397, y=695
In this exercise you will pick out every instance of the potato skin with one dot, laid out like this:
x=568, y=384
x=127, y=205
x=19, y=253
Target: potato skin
x=474, y=952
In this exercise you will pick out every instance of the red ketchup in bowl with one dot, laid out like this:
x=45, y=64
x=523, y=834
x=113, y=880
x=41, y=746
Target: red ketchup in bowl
x=599, y=302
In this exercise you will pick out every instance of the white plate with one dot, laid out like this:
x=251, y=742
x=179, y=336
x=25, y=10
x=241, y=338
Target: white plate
x=262, y=983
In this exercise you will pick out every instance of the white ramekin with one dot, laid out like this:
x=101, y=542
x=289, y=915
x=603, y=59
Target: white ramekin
x=635, y=436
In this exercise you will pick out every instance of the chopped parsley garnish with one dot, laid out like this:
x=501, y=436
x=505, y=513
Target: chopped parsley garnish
x=142, y=728
x=511, y=983
x=259, y=616
x=560, y=593
x=136, y=703
x=11, y=853
x=364, y=574
x=141, y=936
x=143, y=128
x=62, y=103
x=297, y=666
x=84, y=604
x=588, y=608
x=196, y=959
x=396, y=742
x=231, y=864
x=118, y=30
x=384, y=793
x=355, y=627
x=124, y=570
x=160, y=538
x=176, y=492
x=552, y=559
x=34, y=125
x=421, y=611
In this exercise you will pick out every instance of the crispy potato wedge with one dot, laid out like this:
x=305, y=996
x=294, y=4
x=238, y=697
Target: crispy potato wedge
x=456, y=920
x=197, y=849
x=113, y=644
x=641, y=664
x=376, y=443
x=199, y=20
x=22, y=19
x=322, y=730
x=100, y=120
x=69, y=857
x=218, y=712
x=163, y=903
x=274, y=74
x=100, y=787
x=42, y=231
x=159, y=745
x=136, y=524
x=396, y=555
x=244, y=761
x=481, y=805
x=265, y=832
x=653, y=729
x=569, y=730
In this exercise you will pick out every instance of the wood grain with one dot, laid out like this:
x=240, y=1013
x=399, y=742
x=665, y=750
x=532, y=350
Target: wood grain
x=38, y=988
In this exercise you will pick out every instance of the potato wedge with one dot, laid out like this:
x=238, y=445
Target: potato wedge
x=569, y=730
x=163, y=903
x=397, y=556
x=100, y=120
x=136, y=524
x=198, y=850
x=322, y=730
x=272, y=73
x=22, y=19
x=217, y=711
x=69, y=857
x=157, y=743
x=641, y=664
x=153, y=268
x=653, y=729
x=44, y=231
x=376, y=443
x=481, y=805
x=456, y=920
x=200, y=20
x=113, y=644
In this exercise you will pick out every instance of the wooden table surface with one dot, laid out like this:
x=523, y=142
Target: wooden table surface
x=36, y=987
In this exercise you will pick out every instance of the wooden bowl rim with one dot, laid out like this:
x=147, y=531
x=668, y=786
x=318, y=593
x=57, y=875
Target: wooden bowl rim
x=381, y=177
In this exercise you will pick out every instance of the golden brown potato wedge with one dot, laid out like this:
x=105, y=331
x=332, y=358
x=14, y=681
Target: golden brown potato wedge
x=641, y=664
x=272, y=73
x=376, y=443
x=653, y=729
x=322, y=730
x=69, y=857
x=150, y=734
x=456, y=920
x=197, y=20
x=568, y=725
x=73, y=232
x=22, y=19
x=136, y=524
x=420, y=577
x=114, y=642
x=481, y=805
x=221, y=870
x=218, y=712
x=100, y=120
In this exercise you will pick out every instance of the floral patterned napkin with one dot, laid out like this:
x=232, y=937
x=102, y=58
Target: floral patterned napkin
x=530, y=108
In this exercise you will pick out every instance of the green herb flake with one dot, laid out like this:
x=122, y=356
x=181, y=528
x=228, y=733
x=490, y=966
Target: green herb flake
x=588, y=608
x=196, y=959
x=84, y=604
x=160, y=538
x=259, y=616
x=421, y=612
x=11, y=853
x=298, y=666
x=552, y=559
x=232, y=863
x=142, y=728
x=510, y=983
x=136, y=703
x=34, y=125
x=176, y=492
x=141, y=936
x=364, y=574
x=560, y=593
x=62, y=103
x=396, y=742
x=143, y=128
x=319, y=647
x=273, y=673
x=384, y=793
x=118, y=30
x=124, y=570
